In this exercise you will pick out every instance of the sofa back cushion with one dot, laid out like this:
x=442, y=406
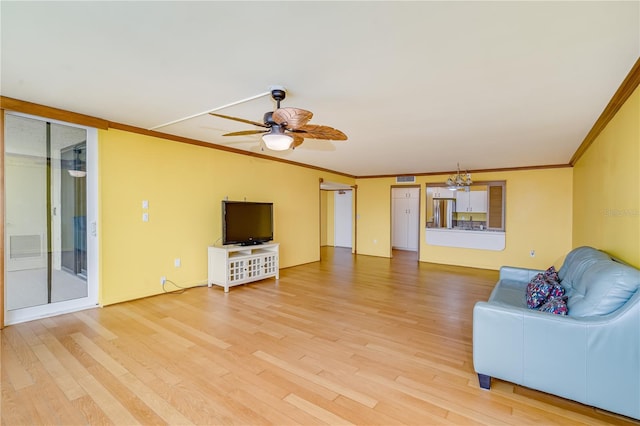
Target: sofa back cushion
x=604, y=286
x=576, y=263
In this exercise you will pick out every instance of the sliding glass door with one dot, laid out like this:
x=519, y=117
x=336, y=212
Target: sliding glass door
x=50, y=252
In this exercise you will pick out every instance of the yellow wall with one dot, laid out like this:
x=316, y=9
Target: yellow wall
x=607, y=187
x=323, y=218
x=374, y=216
x=184, y=185
x=538, y=217
x=330, y=213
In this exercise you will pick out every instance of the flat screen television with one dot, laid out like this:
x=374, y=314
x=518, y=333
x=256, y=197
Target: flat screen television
x=246, y=223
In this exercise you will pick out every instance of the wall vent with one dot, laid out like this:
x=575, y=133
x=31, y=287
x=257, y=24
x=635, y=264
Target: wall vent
x=405, y=179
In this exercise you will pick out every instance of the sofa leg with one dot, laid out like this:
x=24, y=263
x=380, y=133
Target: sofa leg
x=485, y=381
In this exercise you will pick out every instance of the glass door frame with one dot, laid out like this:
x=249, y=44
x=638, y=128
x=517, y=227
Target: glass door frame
x=91, y=300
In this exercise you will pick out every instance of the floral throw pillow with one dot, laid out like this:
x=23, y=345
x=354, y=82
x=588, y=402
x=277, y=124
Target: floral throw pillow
x=551, y=275
x=538, y=291
x=557, y=291
x=556, y=306
x=544, y=287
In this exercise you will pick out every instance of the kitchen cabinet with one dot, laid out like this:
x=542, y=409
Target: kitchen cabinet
x=406, y=218
x=442, y=192
x=471, y=202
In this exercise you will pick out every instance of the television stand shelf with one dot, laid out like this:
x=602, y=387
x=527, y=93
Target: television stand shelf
x=234, y=265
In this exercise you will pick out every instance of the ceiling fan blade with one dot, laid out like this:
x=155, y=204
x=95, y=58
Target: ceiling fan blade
x=242, y=120
x=245, y=132
x=297, y=140
x=315, y=131
x=292, y=118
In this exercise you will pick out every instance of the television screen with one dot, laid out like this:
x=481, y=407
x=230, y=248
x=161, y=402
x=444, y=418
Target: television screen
x=246, y=222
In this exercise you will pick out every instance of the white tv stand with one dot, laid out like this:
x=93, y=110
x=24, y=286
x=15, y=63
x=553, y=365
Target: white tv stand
x=234, y=265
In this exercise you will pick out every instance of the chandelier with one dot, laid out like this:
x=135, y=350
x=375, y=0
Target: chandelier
x=459, y=181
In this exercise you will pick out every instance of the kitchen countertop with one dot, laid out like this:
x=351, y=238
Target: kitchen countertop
x=464, y=229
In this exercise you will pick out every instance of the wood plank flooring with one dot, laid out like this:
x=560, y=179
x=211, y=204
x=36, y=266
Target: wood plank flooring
x=348, y=340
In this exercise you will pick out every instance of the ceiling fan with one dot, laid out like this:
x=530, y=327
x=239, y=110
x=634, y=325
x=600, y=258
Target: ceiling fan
x=286, y=127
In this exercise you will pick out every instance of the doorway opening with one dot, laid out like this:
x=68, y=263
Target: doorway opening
x=338, y=204
x=343, y=214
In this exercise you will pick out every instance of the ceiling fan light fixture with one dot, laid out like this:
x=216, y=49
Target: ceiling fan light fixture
x=77, y=170
x=77, y=173
x=277, y=141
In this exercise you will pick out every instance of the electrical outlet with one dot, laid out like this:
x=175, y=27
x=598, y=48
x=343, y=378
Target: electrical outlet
x=163, y=280
x=532, y=253
x=177, y=262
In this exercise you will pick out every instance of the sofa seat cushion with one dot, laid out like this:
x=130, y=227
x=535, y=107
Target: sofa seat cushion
x=510, y=293
x=605, y=286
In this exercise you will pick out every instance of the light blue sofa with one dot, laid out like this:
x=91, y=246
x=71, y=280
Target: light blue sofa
x=592, y=355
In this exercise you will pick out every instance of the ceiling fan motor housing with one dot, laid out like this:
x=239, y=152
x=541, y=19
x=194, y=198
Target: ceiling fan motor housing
x=268, y=119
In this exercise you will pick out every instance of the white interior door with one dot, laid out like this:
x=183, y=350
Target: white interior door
x=343, y=218
x=400, y=223
x=413, y=222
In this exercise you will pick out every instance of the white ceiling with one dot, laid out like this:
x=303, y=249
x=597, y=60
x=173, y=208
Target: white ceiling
x=417, y=86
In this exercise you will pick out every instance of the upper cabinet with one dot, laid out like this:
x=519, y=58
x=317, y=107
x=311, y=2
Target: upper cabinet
x=471, y=201
x=443, y=192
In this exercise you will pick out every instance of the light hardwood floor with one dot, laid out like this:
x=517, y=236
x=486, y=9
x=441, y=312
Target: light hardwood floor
x=348, y=340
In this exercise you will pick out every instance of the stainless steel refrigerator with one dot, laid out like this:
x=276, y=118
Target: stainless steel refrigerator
x=443, y=209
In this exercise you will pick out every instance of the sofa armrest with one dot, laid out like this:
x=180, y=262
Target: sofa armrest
x=523, y=346
x=497, y=341
x=593, y=360
x=513, y=273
